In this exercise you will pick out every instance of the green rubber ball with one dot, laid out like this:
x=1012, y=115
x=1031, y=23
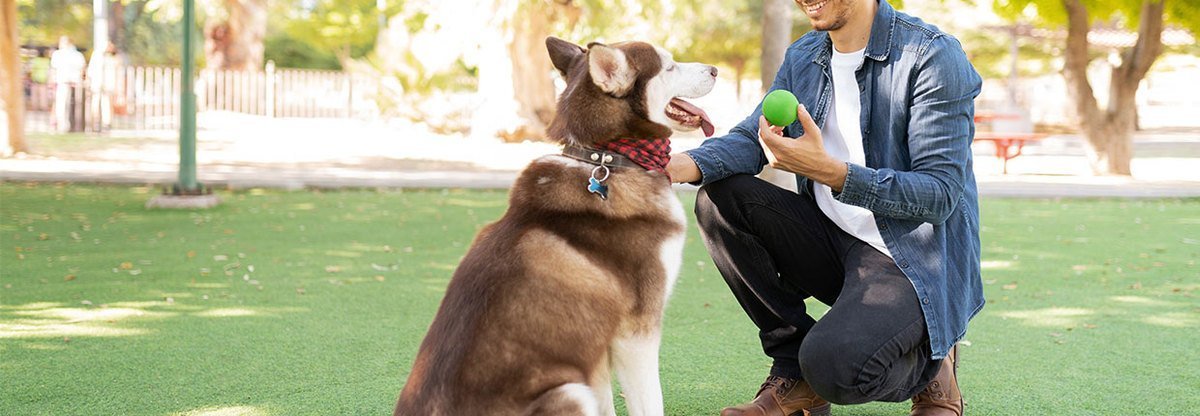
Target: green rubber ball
x=779, y=107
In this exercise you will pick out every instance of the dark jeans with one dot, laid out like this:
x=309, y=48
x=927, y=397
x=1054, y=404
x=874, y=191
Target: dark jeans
x=775, y=249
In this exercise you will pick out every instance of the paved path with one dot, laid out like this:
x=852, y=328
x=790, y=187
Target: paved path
x=336, y=154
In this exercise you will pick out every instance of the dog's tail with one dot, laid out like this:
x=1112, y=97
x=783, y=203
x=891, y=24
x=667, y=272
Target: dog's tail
x=571, y=399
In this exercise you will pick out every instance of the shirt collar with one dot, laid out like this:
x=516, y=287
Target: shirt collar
x=878, y=46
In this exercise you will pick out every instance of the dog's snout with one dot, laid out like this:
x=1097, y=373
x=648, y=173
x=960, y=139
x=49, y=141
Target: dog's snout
x=712, y=70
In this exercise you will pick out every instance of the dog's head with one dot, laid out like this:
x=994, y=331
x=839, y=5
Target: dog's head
x=627, y=90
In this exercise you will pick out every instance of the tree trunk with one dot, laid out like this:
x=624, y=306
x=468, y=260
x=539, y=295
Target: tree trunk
x=1109, y=131
x=237, y=43
x=776, y=36
x=533, y=87
x=12, y=107
x=515, y=73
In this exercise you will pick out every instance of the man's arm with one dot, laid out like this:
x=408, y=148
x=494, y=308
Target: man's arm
x=940, y=128
x=734, y=153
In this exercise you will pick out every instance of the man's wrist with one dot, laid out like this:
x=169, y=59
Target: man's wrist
x=833, y=174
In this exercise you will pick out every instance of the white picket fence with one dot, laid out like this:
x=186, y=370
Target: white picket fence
x=147, y=98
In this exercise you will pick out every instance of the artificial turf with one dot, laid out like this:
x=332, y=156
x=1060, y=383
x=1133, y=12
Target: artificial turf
x=314, y=302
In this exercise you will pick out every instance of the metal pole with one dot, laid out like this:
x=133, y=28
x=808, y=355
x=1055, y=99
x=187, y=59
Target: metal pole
x=99, y=26
x=187, y=106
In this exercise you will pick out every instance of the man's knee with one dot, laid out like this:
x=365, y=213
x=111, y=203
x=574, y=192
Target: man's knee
x=721, y=197
x=825, y=366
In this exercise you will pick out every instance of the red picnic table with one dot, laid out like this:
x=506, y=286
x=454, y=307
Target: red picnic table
x=1005, y=142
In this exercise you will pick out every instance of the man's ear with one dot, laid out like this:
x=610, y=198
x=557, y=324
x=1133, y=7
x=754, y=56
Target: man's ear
x=610, y=69
x=563, y=54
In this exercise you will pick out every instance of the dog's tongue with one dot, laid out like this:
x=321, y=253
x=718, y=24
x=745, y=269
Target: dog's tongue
x=705, y=124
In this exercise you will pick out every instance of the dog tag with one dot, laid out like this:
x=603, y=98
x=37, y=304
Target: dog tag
x=595, y=187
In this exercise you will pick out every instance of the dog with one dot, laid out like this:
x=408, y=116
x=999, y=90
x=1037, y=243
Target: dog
x=569, y=286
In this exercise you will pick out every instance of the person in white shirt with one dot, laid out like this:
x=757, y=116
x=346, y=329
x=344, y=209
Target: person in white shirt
x=66, y=68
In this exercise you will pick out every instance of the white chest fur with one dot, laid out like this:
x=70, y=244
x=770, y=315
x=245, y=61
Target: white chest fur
x=671, y=251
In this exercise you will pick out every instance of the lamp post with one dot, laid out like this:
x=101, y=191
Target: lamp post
x=187, y=192
x=187, y=106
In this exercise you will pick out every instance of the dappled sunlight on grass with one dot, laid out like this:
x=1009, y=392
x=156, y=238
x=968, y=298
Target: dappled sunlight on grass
x=46, y=329
x=1173, y=319
x=1050, y=317
x=996, y=264
x=1142, y=300
x=226, y=312
x=73, y=315
x=66, y=322
x=225, y=411
x=343, y=253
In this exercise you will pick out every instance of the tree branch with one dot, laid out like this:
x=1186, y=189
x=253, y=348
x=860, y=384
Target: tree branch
x=1149, y=45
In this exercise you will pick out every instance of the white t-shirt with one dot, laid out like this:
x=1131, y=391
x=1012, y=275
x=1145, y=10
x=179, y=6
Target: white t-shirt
x=844, y=141
x=67, y=65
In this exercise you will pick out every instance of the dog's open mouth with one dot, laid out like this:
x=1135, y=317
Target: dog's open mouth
x=689, y=115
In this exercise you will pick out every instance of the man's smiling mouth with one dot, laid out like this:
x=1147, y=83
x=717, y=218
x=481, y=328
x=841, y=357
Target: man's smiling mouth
x=812, y=7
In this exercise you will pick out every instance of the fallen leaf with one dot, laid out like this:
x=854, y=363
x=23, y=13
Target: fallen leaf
x=1011, y=286
x=126, y=265
x=1055, y=334
x=68, y=278
x=1089, y=326
x=1136, y=286
x=66, y=339
x=379, y=278
x=333, y=269
x=299, y=291
x=43, y=236
x=191, y=254
x=220, y=257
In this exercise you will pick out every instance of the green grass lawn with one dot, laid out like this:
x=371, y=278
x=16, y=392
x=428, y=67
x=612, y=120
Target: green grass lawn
x=289, y=303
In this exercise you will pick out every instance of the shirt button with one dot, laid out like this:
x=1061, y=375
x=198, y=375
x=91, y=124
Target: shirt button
x=882, y=226
x=925, y=301
x=904, y=264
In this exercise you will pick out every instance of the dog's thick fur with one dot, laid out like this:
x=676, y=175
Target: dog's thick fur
x=566, y=285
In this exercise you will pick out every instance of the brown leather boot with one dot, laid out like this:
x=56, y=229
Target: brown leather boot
x=780, y=396
x=942, y=397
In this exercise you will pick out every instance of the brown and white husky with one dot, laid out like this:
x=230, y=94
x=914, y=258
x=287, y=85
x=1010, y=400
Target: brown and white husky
x=569, y=286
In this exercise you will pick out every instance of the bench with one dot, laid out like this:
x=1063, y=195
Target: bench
x=1008, y=144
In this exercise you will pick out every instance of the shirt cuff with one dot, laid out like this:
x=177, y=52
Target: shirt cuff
x=711, y=169
x=859, y=186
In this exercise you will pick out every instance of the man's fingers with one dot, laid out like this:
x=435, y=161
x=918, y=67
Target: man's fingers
x=766, y=132
x=806, y=120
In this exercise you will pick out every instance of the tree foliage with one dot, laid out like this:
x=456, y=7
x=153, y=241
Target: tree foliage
x=1051, y=13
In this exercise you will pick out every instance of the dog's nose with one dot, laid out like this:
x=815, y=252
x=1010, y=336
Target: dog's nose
x=712, y=70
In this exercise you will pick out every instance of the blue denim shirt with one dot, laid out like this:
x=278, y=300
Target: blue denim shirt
x=917, y=91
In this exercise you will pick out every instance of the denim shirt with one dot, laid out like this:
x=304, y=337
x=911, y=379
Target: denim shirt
x=917, y=91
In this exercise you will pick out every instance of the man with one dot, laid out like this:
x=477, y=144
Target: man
x=67, y=65
x=884, y=229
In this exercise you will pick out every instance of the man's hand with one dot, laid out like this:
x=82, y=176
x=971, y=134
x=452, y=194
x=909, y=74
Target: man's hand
x=804, y=155
x=683, y=169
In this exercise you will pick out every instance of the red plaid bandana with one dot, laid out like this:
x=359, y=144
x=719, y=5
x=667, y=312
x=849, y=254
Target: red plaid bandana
x=650, y=154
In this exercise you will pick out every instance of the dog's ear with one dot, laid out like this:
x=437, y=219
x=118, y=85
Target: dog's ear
x=563, y=54
x=610, y=69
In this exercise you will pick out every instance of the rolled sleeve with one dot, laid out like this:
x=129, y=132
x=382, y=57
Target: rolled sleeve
x=859, y=186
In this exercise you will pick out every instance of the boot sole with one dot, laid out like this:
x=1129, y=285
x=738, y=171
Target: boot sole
x=822, y=410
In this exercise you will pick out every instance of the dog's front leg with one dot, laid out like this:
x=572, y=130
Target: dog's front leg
x=635, y=360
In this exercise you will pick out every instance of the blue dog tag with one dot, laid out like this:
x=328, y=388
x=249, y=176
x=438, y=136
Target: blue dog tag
x=595, y=187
